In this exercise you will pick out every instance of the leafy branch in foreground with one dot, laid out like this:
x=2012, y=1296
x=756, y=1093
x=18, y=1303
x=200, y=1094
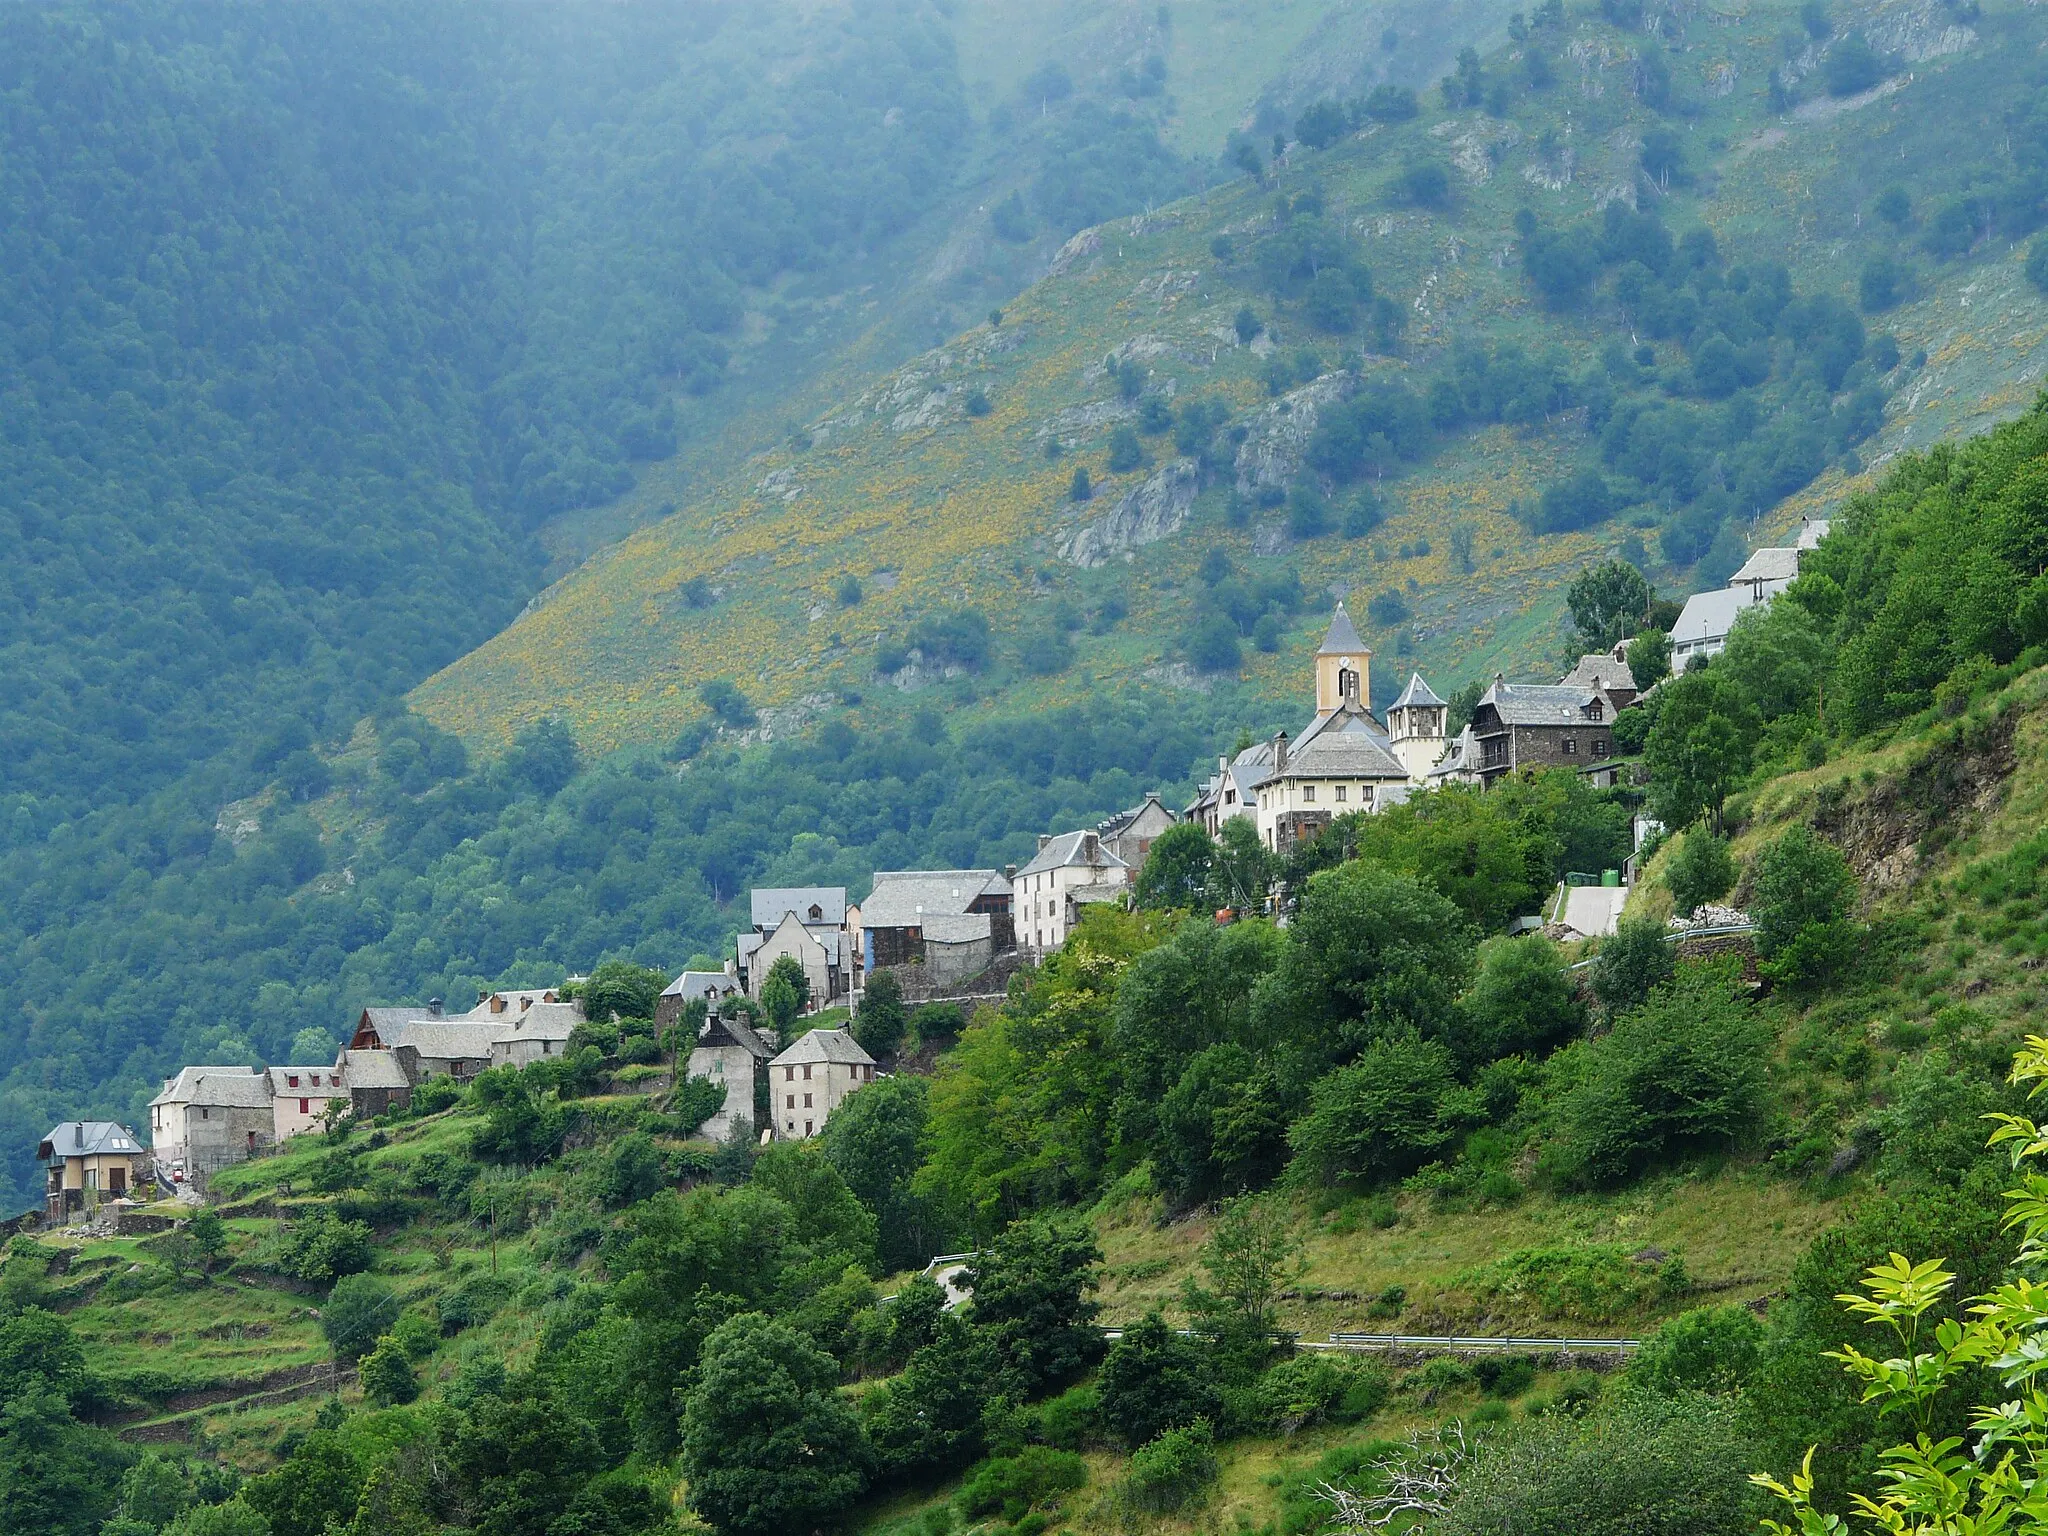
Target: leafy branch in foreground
x=1935, y=1487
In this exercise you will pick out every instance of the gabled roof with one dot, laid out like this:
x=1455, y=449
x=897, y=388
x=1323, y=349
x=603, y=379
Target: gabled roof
x=546, y=1021
x=322, y=1082
x=372, y=1069
x=218, y=1088
x=447, y=1039
x=904, y=897
x=87, y=1138
x=1417, y=695
x=1343, y=755
x=1123, y=821
x=1068, y=850
x=718, y=1030
x=1342, y=639
x=1768, y=565
x=1708, y=616
x=1460, y=758
x=694, y=984
x=826, y=1045
x=1541, y=704
x=770, y=903
x=1599, y=670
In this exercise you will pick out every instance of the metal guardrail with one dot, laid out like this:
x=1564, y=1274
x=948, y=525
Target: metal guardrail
x=1392, y=1341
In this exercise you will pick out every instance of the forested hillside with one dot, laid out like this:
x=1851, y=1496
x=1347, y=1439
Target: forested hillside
x=543, y=1309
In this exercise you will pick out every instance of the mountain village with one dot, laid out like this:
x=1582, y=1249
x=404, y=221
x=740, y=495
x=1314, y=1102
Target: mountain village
x=947, y=934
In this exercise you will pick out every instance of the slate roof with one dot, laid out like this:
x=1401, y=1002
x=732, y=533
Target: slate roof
x=956, y=927
x=769, y=904
x=826, y=939
x=718, y=1030
x=447, y=1039
x=322, y=1082
x=1342, y=639
x=1065, y=851
x=836, y=1045
x=372, y=1069
x=87, y=1138
x=1599, y=669
x=1768, y=565
x=1462, y=757
x=1343, y=755
x=546, y=1021
x=1708, y=616
x=1540, y=704
x=1417, y=695
x=1122, y=820
x=517, y=1001
x=217, y=1087
x=899, y=893
x=1811, y=532
x=694, y=984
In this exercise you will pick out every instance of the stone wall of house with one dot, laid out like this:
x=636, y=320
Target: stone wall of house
x=220, y=1137
x=950, y=965
x=732, y=1065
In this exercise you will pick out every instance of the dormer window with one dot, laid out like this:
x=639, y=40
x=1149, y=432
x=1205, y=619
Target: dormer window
x=291, y=1082
x=1594, y=710
x=817, y=913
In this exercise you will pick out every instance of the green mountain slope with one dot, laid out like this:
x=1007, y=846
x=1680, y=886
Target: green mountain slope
x=931, y=507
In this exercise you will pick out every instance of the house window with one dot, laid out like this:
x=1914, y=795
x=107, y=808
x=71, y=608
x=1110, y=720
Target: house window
x=1308, y=794
x=205, y=1114
x=293, y=1082
x=1595, y=710
x=1571, y=746
x=807, y=1101
x=789, y=1126
x=1600, y=746
x=789, y=1074
x=1230, y=797
x=305, y=1106
x=1340, y=794
x=807, y=1071
x=807, y=1127
x=792, y=1102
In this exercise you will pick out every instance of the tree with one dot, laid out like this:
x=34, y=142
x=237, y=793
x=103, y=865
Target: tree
x=1179, y=869
x=1424, y=183
x=1321, y=124
x=1852, y=66
x=1709, y=1349
x=880, y=1020
x=57, y=1477
x=387, y=1375
x=360, y=1311
x=785, y=992
x=1372, y=954
x=632, y=1168
x=1521, y=1002
x=769, y=1447
x=1125, y=451
x=1701, y=870
x=1684, y=1071
x=875, y=1141
x=543, y=759
x=519, y=1125
x=1154, y=1379
x=1699, y=748
x=1649, y=658
x=618, y=986
x=1386, y=1114
x=1632, y=963
x=1031, y=1303
x=1801, y=898
x=1608, y=602
x=1080, y=489
x=1222, y=1127
x=1251, y=1256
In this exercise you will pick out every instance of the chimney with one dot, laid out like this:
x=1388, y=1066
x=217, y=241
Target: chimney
x=434, y=1007
x=1043, y=839
x=1009, y=871
x=1280, y=753
x=1091, y=848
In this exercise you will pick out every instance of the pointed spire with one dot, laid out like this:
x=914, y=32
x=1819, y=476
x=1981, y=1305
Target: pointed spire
x=1342, y=640
x=1417, y=694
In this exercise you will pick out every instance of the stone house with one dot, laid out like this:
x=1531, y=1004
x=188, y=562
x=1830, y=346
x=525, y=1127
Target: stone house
x=86, y=1160
x=1130, y=834
x=807, y=923
x=1518, y=726
x=208, y=1118
x=728, y=1052
x=377, y=1080
x=458, y=1046
x=712, y=986
x=953, y=922
x=1337, y=773
x=1070, y=871
x=813, y=1077
x=299, y=1097
x=539, y=1033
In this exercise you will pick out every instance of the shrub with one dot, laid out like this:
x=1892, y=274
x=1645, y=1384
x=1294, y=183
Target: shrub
x=1632, y=963
x=1317, y=1388
x=1801, y=902
x=1072, y=1420
x=361, y=1310
x=1125, y=451
x=1174, y=1471
x=1383, y=1114
x=1012, y=1485
x=880, y=1020
x=321, y=1248
x=1156, y=1379
x=1709, y=1349
x=1701, y=870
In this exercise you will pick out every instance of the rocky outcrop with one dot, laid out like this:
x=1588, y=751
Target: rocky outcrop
x=1153, y=511
x=1271, y=452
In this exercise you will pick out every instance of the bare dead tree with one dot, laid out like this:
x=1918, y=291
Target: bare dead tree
x=1421, y=1482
